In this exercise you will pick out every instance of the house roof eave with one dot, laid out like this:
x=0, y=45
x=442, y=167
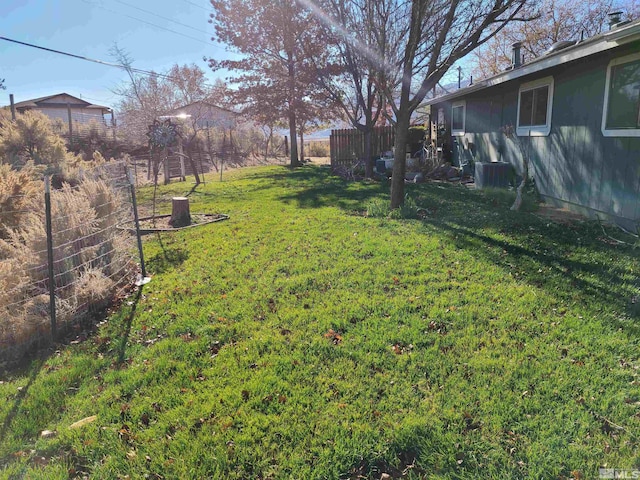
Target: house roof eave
x=37, y=103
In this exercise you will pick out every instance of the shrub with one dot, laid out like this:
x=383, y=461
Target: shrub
x=90, y=259
x=89, y=256
x=318, y=149
x=379, y=208
x=31, y=137
x=18, y=194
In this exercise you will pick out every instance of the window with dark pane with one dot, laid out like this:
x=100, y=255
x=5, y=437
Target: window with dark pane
x=539, y=114
x=623, y=110
x=457, y=118
x=526, y=107
x=533, y=107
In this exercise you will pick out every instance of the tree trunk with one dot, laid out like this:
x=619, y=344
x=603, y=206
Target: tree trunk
x=302, y=146
x=293, y=151
x=400, y=159
x=368, y=161
x=403, y=114
x=266, y=146
x=167, y=172
x=525, y=175
x=180, y=215
x=292, y=110
x=192, y=162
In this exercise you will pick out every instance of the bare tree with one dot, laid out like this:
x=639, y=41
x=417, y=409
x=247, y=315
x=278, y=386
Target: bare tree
x=275, y=40
x=552, y=21
x=361, y=29
x=415, y=45
x=437, y=34
x=143, y=98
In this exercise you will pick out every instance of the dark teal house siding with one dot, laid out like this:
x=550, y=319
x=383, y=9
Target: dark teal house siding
x=575, y=165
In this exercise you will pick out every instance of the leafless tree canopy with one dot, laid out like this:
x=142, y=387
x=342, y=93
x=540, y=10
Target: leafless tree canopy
x=144, y=98
x=416, y=42
x=552, y=21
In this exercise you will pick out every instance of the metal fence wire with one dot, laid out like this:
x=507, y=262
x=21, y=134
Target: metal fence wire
x=63, y=255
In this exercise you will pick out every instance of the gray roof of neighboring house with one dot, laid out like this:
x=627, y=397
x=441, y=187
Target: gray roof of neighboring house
x=40, y=102
x=613, y=38
x=200, y=103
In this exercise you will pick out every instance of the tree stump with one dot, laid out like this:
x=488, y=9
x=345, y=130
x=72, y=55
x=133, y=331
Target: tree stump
x=180, y=215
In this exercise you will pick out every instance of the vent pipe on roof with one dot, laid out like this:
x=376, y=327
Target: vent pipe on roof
x=615, y=20
x=516, y=57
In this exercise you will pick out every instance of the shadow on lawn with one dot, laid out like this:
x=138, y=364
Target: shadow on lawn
x=317, y=188
x=123, y=337
x=535, y=250
x=169, y=257
x=547, y=266
x=35, y=368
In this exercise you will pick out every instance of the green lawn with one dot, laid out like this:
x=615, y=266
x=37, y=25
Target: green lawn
x=302, y=339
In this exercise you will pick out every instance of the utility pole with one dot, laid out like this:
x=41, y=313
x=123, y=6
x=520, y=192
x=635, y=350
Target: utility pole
x=70, y=124
x=13, y=107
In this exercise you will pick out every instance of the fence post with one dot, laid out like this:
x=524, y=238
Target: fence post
x=50, y=260
x=13, y=107
x=136, y=219
x=183, y=173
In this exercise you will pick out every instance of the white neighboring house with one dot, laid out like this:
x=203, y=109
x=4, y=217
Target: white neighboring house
x=63, y=105
x=205, y=114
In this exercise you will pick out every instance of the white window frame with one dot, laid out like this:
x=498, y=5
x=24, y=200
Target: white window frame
x=458, y=104
x=616, y=132
x=536, y=130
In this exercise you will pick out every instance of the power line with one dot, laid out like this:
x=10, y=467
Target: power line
x=100, y=62
x=199, y=6
x=149, y=23
x=162, y=17
x=88, y=59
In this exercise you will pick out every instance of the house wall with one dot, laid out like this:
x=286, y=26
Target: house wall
x=575, y=165
x=79, y=115
x=216, y=117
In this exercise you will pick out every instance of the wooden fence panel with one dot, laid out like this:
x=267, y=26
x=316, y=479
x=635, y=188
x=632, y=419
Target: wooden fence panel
x=348, y=145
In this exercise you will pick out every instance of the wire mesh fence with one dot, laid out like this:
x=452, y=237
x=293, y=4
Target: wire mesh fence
x=63, y=254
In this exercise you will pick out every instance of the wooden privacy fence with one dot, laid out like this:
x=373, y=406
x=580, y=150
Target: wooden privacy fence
x=347, y=145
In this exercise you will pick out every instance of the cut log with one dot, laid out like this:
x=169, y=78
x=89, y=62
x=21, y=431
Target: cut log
x=180, y=215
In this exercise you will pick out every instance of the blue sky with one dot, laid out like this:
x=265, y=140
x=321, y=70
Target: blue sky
x=90, y=28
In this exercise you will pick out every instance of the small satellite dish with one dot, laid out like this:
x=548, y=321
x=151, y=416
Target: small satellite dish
x=561, y=45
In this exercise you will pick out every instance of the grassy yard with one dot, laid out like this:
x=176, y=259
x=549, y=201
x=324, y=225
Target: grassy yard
x=302, y=339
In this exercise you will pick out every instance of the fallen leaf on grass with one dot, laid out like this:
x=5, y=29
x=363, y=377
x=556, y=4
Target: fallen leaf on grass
x=84, y=421
x=469, y=423
x=125, y=433
x=333, y=336
x=399, y=348
x=272, y=305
